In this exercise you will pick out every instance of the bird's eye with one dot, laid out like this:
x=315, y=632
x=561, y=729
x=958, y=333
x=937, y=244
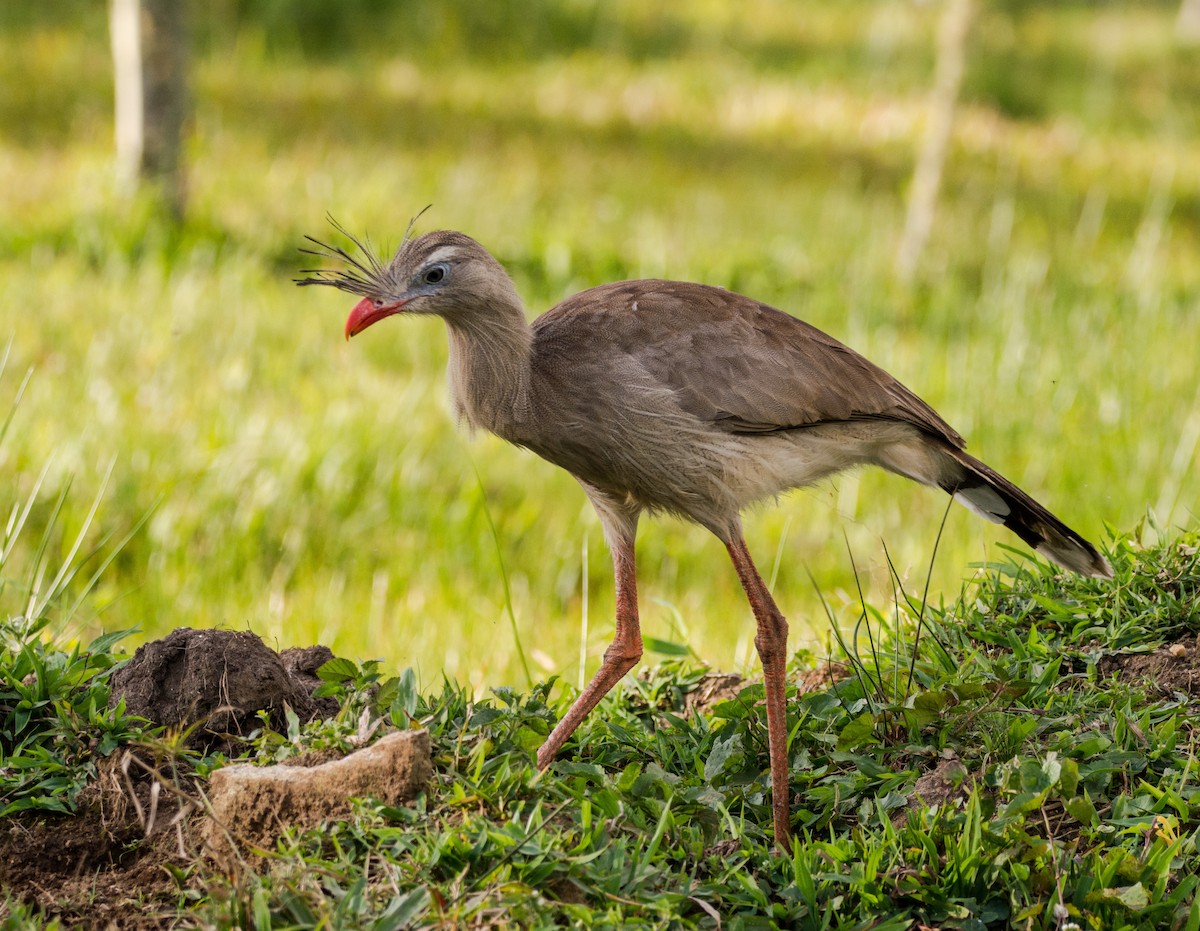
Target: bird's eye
x=434, y=275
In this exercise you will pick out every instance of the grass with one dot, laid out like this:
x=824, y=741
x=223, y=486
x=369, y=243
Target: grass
x=1026, y=777
x=317, y=492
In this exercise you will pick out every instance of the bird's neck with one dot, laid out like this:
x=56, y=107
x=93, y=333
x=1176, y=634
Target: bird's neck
x=489, y=370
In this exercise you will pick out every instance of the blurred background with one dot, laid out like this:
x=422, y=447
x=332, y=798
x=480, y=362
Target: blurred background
x=1037, y=280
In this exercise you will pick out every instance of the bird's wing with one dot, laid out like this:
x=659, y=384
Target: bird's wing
x=734, y=362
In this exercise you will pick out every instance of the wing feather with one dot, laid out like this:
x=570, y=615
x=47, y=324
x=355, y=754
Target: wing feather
x=736, y=363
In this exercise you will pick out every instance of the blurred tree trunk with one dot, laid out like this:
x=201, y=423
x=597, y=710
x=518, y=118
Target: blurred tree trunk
x=939, y=121
x=150, y=56
x=1187, y=27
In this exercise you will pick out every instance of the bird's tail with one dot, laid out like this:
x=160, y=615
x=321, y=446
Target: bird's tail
x=993, y=497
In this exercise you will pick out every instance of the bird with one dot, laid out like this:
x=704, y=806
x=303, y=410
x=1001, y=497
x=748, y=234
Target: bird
x=673, y=397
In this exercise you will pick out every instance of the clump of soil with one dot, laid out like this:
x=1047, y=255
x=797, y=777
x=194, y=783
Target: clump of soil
x=301, y=664
x=823, y=676
x=219, y=680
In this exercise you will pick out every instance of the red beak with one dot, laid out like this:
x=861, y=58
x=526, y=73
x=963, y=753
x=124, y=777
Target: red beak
x=367, y=312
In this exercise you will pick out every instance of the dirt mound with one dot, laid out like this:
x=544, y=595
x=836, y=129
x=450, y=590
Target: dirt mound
x=220, y=680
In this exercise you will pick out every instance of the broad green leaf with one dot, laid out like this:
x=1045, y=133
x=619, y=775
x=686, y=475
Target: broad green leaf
x=1134, y=898
x=722, y=752
x=665, y=647
x=528, y=739
x=1068, y=779
x=1082, y=810
x=966, y=691
x=859, y=731
x=1091, y=746
x=932, y=702
x=337, y=669
x=1024, y=803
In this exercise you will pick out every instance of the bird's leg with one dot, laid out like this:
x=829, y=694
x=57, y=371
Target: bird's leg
x=771, y=642
x=621, y=655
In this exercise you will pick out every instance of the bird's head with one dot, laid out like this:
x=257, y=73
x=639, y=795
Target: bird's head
x=443, y=272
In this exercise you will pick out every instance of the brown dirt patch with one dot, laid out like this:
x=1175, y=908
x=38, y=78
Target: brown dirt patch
x=713, y=689
x=103, y=867
x=717, y=687
x=823, y=676
x=1171, y=669
x=947, y=784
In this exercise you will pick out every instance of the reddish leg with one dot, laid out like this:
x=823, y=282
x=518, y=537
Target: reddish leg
x=771, y=641
x=621, y=656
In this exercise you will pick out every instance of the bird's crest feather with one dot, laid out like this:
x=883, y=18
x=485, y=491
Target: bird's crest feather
x=367, y=275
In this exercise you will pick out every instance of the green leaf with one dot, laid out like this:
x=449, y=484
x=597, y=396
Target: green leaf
x=104, y=642
x=507, y=695
x=926, y=708
x=722, y=752
x=337, y=669
x=293, y=724
x=870, y=767
x=1023, y=803
x=483, y=715
x=1082, y=810
x=403, y=911
x=261, y=906
x=932, y=702
x=665, y=647
x=966, y=691
x=402, y=702
x=1015, y=688
x=629, y=776
x=1091, y=746
x=325, y=689
x=1068, y=779
x=528, y=739
x=1034, y=777
x=1134, y=898
x=859, y=731
x=608, y=802
x=589, y=771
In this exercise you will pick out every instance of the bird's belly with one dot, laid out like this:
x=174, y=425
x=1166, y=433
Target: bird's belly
x=770, y=464
x=708, y=475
